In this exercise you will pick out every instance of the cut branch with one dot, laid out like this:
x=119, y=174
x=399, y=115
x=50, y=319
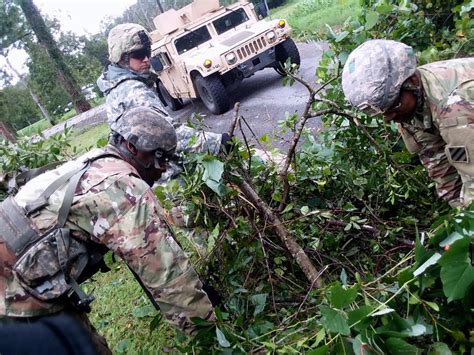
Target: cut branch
x=290, y=243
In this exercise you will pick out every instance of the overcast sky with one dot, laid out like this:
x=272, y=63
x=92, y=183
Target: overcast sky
x=79, y=16
x=82, y=16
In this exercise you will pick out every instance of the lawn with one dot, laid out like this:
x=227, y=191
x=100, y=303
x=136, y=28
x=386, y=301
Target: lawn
x=34, y=128
x=84, y=139
x=43, y=124
x=122, y=313
x=310, y=17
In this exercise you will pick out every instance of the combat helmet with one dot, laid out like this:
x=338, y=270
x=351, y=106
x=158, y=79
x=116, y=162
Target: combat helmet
x=127, y=38
x=374, y=74
x=148, y=130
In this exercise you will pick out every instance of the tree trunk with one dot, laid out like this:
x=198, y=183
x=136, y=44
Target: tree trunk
x=33, y=95
x=45, y=38
x=159, y=6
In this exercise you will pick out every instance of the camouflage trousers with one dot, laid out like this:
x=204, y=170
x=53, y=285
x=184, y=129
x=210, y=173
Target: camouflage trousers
x=74, y=324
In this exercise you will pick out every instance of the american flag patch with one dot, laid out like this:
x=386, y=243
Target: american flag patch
x=458, y=154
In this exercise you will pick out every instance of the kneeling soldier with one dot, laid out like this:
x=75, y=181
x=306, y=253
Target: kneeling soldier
x=56, y=229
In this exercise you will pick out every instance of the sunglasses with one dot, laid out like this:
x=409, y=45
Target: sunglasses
x=140, y=54
x=371, y=110
x=161, y=158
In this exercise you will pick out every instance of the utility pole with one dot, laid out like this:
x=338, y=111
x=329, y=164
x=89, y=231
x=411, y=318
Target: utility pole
x=159, y=6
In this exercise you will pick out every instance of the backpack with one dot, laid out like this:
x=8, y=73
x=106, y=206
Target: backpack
x=50, y=265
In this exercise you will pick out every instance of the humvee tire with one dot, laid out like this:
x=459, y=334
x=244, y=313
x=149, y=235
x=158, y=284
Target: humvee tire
x=212, y=93
x=283, y=51
x=167, y=99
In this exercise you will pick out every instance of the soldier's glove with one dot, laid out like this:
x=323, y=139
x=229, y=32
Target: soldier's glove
x=227, y=143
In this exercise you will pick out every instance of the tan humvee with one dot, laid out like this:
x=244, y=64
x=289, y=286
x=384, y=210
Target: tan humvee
x=204, y=50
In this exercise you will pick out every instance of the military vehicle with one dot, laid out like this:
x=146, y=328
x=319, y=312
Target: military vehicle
x=205, y=50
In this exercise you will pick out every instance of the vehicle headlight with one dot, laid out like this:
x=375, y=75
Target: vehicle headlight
x=231, y=58
x=271, y=36
x=207, y=63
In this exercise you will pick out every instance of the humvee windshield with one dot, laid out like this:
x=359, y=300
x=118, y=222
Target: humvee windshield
x=230, y=21
x=192, y=39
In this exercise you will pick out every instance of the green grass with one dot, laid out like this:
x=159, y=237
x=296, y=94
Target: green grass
x=122, y=313
x=34, y=128
x=86, y=138
x=310, y=17
x=41, y=125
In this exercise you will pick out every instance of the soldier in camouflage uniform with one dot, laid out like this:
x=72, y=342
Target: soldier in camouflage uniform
x=433, y=106
x=128, y=82
x=112, y=208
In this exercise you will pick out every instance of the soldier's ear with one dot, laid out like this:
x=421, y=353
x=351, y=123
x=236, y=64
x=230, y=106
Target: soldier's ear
x=414, y=79
x=131, y=148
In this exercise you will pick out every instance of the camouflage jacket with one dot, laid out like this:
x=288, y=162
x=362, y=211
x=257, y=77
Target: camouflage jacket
x=442, y=133
x=125, y=89
x=112, y=207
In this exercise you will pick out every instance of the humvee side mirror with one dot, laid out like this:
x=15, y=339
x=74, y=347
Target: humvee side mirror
x=261, y=10
x=156, y=64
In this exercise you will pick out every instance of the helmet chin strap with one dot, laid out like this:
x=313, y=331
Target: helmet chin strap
x=416, y=90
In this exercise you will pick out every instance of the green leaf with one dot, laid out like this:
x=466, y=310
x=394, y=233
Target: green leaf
x=343, y=277
x=304, y=210
x=155, y=323
x=334, y=321
x=211, y=240
x=221, y=315
x=319, y=337
x=122, y=346
x=416, y=330
x=397, y=346
x=265, y=139
x=371, y=19
x=340, y=297
x=357, y=315
x=259, y=302
x=145, y=311
x=212, y=177
x=322, y=350
x=384, y=9
x=440, y=349
x=431, y=261
x=201, y=322
x=432, y=305
x=341, y=36
x=221, y=338
x=383, y=311
x=457, y=273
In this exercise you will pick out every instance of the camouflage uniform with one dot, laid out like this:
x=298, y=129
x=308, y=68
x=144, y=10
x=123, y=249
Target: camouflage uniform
x=441, y=131
x=126, y=88
x=116, y=210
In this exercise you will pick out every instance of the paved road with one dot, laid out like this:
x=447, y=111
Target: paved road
x=264, y=101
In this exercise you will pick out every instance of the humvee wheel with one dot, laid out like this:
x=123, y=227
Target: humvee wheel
x=212, y=93
x=283, y=51
x=167, y=99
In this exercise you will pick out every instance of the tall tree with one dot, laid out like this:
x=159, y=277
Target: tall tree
x=33, y=95
x=45, y=38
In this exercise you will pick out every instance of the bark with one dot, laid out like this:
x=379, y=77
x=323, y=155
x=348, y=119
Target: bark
x=290, y=243
x=159, y=6
x=33, y=16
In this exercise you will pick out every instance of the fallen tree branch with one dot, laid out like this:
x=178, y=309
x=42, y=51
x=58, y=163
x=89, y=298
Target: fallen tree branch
x=235, y=120
x=290, y=243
